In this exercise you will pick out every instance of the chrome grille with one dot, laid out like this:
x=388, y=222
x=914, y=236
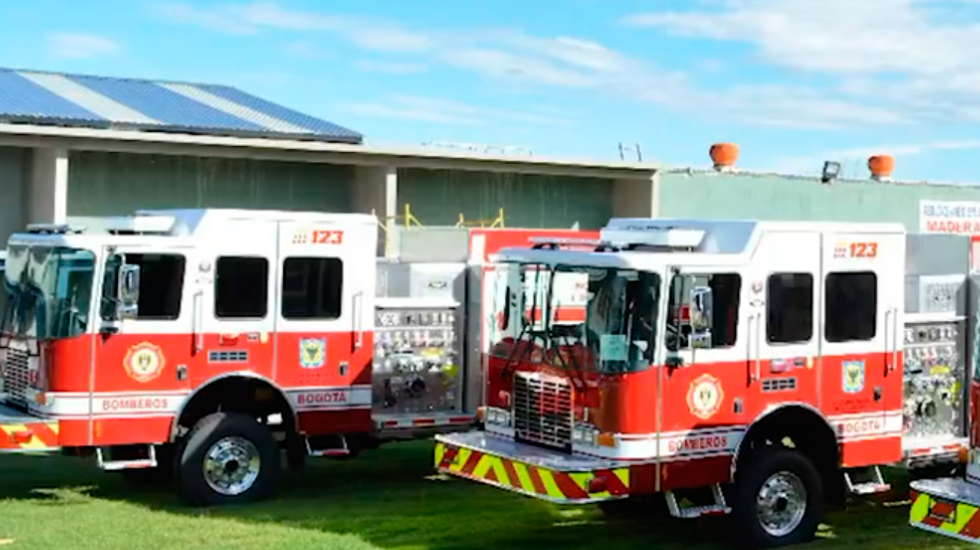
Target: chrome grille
x=15, y=375
x=543, y=409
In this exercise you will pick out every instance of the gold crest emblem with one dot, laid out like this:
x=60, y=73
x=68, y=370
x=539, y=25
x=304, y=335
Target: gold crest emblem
x=144, y=362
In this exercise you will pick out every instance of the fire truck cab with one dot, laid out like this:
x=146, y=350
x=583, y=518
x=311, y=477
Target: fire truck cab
x=755, y=364
x=199, y=341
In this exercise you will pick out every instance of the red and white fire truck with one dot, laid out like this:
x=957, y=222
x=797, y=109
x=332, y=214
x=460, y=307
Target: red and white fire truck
x=756, y=369
x=205, y=343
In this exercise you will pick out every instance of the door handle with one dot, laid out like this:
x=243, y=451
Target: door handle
x=197, y=321
x=358, y=321
x=754, y=336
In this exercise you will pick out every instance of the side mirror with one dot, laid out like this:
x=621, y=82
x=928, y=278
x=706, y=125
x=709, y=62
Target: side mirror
x=128, y=291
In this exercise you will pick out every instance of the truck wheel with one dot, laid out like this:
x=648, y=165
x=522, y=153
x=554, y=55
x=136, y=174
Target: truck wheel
x=778, y=500
x=227, y=458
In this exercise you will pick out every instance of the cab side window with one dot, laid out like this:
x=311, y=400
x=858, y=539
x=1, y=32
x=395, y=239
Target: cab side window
x=726, y=289
x=851, y=306
x=241, y=287
x=789, y=308
x=161, y=286
x=312, y=288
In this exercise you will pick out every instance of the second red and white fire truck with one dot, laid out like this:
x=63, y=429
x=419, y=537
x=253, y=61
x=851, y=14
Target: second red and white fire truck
x=205, y=343
x=756, y=369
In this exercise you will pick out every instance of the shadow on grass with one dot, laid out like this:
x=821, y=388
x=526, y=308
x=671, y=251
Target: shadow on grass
x=391, y=498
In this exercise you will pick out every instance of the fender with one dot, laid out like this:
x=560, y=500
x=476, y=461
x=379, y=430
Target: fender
x=766, y=414
x=225, y=376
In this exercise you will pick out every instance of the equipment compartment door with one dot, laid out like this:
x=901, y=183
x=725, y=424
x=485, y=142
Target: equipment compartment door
x=234, y=301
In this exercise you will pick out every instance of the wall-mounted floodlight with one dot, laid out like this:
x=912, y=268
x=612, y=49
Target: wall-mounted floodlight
x=831, y=170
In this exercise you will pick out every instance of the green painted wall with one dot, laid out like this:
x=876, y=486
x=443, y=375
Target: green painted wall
x=715, y=195
x=119, y=183
x=437, y=197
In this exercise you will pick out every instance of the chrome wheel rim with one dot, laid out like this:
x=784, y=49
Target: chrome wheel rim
x=232, y=465
x=781, y=504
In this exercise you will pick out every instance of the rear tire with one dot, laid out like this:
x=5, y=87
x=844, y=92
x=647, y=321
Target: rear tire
x=227, y=458
x=778, y=500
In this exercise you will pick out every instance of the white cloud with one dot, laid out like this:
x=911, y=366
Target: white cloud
x=444, y=111
x=574, y=63
x=390, y=67
x=68, y=45
x=915, y=57
x=255, y=17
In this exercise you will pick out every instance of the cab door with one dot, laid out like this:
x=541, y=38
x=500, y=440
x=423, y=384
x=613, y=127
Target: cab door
x=862, y=386
x=324, y=321
x=702, y=383
x=141, y=361
x=234, y=302
x=783, y=322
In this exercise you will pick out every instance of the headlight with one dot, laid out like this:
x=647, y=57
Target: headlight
x=498, y=417
x=585, y=434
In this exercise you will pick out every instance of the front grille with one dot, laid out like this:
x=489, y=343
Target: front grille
x=543, y=410
x=15, y=376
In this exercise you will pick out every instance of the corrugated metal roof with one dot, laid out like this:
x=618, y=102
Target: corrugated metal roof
x=100, y=102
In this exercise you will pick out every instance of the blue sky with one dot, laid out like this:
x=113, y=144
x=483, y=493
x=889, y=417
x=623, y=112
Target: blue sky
x=794, y=82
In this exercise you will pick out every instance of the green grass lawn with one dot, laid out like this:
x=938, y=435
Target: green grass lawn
x=384, y=499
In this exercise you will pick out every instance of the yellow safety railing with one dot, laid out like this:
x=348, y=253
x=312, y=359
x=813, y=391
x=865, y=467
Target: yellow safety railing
x=408, y=220
x=497, y=222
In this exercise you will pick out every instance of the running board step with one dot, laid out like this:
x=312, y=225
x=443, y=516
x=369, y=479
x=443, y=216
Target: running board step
x=719, y=508
x=865, y=481
x=327, y=445
x=130, y=457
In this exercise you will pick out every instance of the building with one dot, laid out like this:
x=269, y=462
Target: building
x=74, y=146
x=727, y=192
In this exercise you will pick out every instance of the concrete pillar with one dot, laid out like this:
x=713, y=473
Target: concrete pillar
x=637, y=197
x=47, y=190
x=13, y=182
x=375, y=189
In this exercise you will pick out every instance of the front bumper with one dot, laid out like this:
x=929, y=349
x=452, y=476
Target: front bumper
x=946, y=506
x=22, y=432
x=532, y=471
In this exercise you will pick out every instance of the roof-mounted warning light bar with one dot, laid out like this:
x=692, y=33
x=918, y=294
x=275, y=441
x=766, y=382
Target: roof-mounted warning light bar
x=656, y=236
x=53, y=229
x=553, y=243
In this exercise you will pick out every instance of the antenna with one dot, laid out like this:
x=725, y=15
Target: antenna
x=635, y=148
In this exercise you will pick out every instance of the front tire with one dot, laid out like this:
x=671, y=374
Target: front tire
x=227, y=458
x=778, y=500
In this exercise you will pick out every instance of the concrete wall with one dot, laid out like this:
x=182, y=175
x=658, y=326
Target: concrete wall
x=14, y=172
x=438, y=197
x=713, y=195
x=105, y=183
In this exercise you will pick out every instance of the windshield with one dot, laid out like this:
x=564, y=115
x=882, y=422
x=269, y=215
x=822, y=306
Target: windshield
x=591, y=319
x=47, y=291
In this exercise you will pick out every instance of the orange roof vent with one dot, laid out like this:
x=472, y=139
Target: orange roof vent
x=724, y=156
x=881, y=166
